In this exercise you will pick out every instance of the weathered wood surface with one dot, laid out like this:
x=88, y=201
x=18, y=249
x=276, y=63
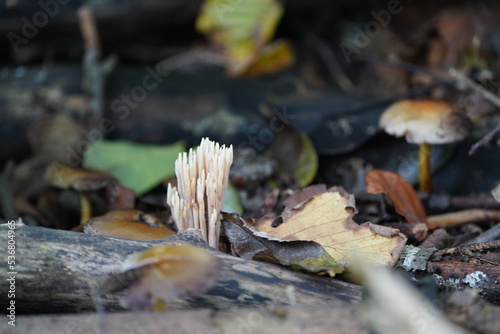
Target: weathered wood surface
x=291, y=320
x=59, y=271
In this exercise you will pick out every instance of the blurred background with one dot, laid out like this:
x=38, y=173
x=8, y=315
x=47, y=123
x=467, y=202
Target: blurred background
x=296, y=87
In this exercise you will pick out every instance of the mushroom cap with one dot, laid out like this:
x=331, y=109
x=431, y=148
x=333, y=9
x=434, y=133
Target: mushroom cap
x=425, y=121
x=129, y=224
x=64, y=177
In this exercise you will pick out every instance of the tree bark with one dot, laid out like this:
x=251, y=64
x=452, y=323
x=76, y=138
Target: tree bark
x=59, y=271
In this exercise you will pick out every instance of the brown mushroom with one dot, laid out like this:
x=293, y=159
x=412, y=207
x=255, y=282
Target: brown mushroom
x=129, y=224
x=425, y=123
x=164, y=273
x=81, y=180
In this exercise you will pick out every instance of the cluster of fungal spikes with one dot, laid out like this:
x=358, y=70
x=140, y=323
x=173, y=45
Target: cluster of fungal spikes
x=202, y=176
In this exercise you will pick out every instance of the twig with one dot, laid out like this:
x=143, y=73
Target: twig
x=465, y=81
x=325, y=53
x=487, y=138
x=193, y=57
x=88, y=29
x=405, y=66
x=488, y=235
x=329, y=60
x=95, y=72
x=454, y=219
x=446, y=202
x=465, y=250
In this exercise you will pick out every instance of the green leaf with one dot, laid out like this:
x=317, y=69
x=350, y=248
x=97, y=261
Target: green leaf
x=307, y=163
x=232, y=200
x=139, y=167
x=239, y=28
x=295, y=154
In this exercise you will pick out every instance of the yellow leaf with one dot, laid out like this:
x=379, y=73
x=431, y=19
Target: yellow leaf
x=240, y=28
x=274, y=57
x=327, y=219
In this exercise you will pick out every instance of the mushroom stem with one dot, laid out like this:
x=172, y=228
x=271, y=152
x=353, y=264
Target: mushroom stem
x=424, y=172
x=85, y=207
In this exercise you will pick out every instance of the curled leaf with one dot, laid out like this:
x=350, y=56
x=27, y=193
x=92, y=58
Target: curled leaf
x=401, y=193
x=250, y=244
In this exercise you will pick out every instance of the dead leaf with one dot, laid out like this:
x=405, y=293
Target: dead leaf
x=273, y=58
x=241, y=29
x=327, y=219
x=129, y=224
x=119, y=197
x=164, y=273
x=413, y=231
x=401, y=193
x=298, y=254
x=304, y=194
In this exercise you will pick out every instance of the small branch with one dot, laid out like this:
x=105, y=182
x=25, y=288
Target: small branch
x=95, y=72
x=330, y=61
x=447, y=203
x=487, y=138
x=466, y=250
x=454, y=219
x=491, y=234
x=405, y=66
x=325, y=53
x=465, y=81
x=88, y=29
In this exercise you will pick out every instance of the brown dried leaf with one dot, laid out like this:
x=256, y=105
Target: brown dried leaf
x=401, y=193
x=327, y=219
x=119, y=197
x=304, y=195
x=129, y=224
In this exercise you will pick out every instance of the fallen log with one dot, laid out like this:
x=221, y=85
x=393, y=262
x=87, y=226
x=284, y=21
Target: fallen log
x=59, y=271
x=263, y=320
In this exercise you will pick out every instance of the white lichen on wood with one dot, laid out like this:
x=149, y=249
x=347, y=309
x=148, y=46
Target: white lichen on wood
x=197, y=200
